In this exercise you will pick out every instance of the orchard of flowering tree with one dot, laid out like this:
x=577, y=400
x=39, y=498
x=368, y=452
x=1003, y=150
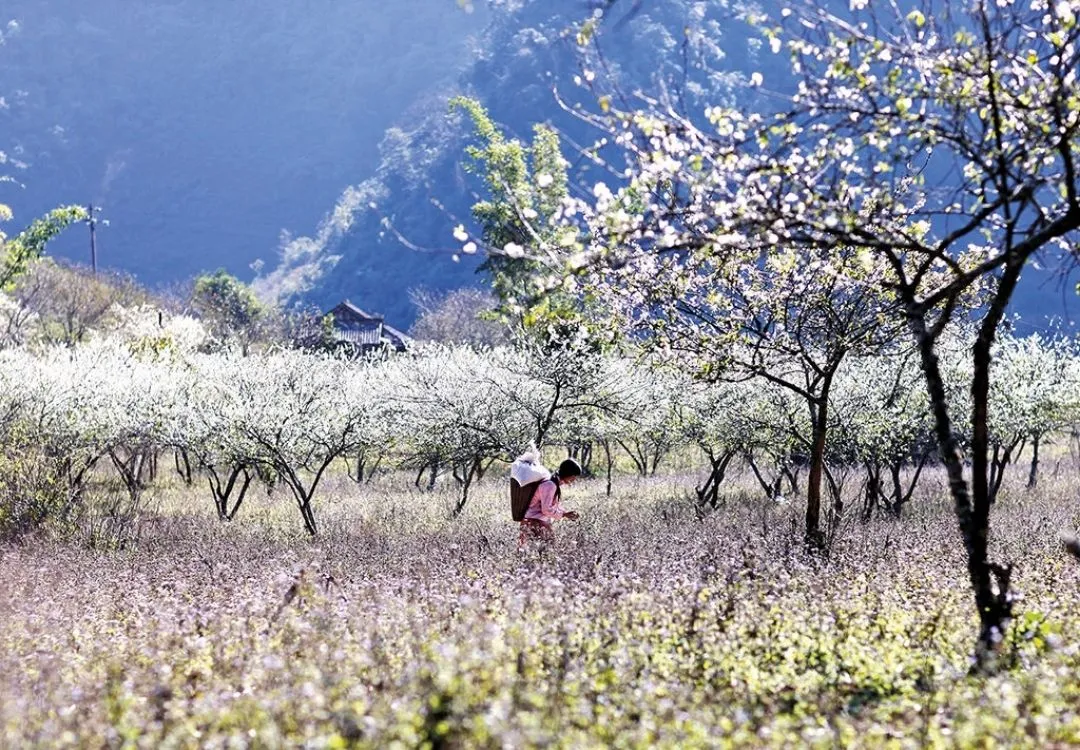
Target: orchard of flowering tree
x=830, y=489
x=120, y=445
x=448, y=414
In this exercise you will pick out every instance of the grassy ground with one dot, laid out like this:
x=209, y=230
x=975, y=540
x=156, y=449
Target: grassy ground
x=647, y=626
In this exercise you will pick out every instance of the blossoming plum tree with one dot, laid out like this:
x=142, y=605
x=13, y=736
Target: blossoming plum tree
x=939, y=146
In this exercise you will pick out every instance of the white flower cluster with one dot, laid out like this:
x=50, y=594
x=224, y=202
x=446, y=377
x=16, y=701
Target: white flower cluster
x=455, y=409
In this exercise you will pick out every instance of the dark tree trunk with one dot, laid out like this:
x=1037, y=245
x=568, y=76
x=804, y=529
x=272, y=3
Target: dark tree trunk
x=582, y=452
x=609, y=461
x=815, y=537
x=758, y=475
x=365, y=467
x=994, y=604
x=1033, y=473
x=772, y=489
x=544, y=422
x=641, y=462
x=131, y=468
x=999, y=459
x=836, y=493
x=792, y=475
x=433, y=477
x=78, y=474
x=466, y=480
x=223, y=491
x=872, y=491
x=361, y=467
x=482, y=468
x=901, y=496
x=972, y=528
x=305, y=493
x=709, y=493
x=373, y=469
x=431, y=468
x=183, y=465
x=309, y=517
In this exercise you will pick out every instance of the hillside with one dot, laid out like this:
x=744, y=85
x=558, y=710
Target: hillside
x=232, y=134
x=524, y=54
x=523, y=57
x=205, y=129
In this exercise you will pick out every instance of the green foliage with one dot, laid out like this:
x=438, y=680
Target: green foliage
x=17, y=253
x=229, y=308
x=524, y=237
x=525, y=186
x=34, y=492
x=325, y=330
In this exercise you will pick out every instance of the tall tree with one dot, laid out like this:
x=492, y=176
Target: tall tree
x=941, y=143
x=733, y=313
x=520, y=226
x=229, y=308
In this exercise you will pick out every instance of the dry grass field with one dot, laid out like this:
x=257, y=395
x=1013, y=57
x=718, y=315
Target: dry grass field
x=649, y=625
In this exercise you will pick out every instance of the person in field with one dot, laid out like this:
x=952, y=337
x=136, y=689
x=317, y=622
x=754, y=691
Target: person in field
x=546, y=507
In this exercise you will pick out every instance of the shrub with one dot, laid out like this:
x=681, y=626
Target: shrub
x=35, y=493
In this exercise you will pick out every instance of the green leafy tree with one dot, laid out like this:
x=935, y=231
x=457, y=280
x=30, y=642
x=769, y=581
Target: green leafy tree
x=520, y=228
x=18, y=252
x=230, y=310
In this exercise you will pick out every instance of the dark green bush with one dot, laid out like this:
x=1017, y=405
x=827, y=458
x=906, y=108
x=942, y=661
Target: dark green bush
x=35, y=492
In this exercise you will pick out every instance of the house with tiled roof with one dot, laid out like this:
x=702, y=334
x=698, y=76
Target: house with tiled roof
x=363, y=332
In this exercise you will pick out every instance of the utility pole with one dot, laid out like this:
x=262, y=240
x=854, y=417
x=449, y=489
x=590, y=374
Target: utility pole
x=93, y=238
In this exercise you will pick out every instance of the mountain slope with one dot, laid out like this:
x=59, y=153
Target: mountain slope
x=204, y=129
x=525, y=53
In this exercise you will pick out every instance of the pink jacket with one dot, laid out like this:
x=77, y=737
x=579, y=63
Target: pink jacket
x=545, y=504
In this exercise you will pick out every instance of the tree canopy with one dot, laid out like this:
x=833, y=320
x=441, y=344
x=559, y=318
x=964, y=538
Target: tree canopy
x=919, y=165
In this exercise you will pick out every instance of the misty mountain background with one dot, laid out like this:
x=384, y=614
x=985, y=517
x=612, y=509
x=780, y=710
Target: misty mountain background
x=225, y=134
